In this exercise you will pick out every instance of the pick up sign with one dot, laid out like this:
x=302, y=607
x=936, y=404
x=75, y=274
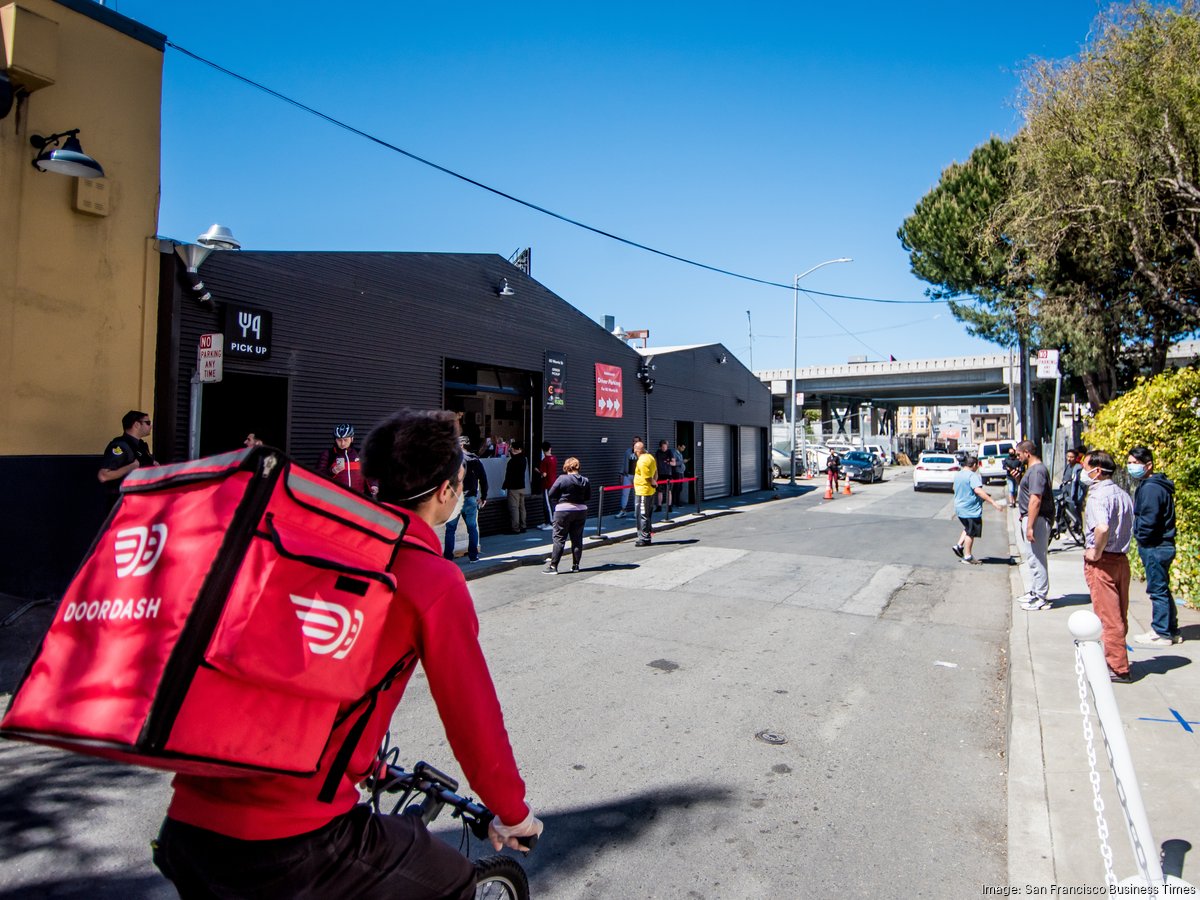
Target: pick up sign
x=247, y=332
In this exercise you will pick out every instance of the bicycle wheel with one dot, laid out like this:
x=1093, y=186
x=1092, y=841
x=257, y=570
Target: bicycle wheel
x=500, y=878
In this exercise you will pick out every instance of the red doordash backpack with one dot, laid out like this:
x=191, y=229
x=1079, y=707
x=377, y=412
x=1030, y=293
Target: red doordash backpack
x=228, y=609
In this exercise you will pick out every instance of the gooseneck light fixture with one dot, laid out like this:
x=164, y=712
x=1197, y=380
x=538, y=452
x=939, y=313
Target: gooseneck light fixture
x=796, y=347
x=504, y=290
x=67, y=159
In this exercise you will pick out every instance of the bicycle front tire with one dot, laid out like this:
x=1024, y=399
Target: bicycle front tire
x=500, y=878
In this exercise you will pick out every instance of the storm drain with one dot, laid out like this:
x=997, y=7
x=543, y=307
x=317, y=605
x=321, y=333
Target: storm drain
x=771, y=737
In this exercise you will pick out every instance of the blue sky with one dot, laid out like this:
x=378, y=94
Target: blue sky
x=761, y=138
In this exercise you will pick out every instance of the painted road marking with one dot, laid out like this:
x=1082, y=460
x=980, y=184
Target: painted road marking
x=1183, y=723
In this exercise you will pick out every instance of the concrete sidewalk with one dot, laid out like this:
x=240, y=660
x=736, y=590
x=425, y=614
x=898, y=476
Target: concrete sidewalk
x=500, y=552
x=1052, y=823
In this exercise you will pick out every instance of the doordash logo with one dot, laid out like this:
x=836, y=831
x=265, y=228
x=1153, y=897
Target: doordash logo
x=332, y=627
x=138, y=549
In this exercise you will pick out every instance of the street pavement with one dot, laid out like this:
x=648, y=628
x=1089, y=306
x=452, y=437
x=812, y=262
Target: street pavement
x=933, y=742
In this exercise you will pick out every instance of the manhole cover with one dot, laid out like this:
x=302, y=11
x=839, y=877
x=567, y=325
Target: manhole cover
x=771, y=737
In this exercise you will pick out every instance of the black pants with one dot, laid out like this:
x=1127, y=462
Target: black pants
x=568, y=522
x=358, y=855
x=644, y=507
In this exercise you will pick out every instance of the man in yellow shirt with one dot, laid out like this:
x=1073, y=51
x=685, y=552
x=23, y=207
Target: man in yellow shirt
x=645, y=485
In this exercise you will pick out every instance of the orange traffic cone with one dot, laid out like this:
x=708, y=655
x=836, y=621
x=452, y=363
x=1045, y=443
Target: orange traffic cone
x=828, y=493
x=846, y=489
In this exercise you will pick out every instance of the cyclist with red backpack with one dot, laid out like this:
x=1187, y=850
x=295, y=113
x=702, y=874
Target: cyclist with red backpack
x=275, y=835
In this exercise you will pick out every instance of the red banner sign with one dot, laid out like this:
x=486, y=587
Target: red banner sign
x=609, y=403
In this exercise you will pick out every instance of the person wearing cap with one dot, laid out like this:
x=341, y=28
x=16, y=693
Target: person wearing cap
x=475, y=491
x=341, y=464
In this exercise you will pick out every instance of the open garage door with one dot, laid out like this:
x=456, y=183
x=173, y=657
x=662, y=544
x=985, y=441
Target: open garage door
x=717, y=460
x=750, y=459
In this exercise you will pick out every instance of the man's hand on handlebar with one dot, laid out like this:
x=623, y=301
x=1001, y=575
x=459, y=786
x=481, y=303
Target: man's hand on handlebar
x=516, y=837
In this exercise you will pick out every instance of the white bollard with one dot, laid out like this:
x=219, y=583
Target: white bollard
x=1086, y=629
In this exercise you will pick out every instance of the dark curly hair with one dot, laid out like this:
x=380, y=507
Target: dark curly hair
x=411, y=453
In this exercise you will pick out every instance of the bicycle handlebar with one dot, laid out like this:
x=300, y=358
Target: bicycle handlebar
x=440, y=788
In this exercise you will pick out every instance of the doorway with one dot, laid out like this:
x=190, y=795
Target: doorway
x=238, y=404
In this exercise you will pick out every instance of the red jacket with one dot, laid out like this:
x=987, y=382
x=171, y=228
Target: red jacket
x=433, y=614
x=548, y=468
x=351, y=475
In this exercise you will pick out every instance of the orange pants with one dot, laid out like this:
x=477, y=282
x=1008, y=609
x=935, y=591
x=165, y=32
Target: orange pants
x=1108, y=582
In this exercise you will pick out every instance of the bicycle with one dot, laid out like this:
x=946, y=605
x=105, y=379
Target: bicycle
x=498, y=877
x=1066, y=518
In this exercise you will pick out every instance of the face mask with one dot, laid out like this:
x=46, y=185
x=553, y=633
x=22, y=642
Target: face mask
x=1136, y=470
x=1086, y=477
x=458, y=505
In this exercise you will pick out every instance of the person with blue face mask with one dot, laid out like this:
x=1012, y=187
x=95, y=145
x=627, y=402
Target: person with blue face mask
x=1154, y=529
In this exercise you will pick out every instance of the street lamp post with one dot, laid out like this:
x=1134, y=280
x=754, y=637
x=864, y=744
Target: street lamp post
x=796, y=347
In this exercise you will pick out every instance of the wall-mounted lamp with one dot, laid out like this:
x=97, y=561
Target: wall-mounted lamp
x=69, y=159
x=741, y=402
x=504, y=290
x=722, y=359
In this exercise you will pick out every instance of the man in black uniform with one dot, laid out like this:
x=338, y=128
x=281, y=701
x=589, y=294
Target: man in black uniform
x=125, y=453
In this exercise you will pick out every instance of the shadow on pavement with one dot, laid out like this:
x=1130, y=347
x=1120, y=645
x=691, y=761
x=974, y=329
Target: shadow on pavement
x=997, y=560
x=1190, y=632
x=1157, y=665
x=1073, y=600
x=42, y=794
x=658, y=543
x=1173, y=852
x=96, y=886
x=574, y=838
x=607, y=567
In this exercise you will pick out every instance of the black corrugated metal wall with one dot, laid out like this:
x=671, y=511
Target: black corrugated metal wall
x=359, y=335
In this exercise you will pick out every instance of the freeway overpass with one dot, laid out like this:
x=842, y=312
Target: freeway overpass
x=983, y=379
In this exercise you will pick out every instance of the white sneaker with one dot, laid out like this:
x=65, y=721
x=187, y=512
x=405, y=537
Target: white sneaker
x=1035, y=603
x=545, y=527
x=1153, y=639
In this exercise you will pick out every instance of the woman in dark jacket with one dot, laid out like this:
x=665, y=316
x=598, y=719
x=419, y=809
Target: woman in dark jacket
x=569, y=495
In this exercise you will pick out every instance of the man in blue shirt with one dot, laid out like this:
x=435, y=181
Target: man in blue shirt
x=969, y=496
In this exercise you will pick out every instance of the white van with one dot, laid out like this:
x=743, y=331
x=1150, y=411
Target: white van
x=990, y=455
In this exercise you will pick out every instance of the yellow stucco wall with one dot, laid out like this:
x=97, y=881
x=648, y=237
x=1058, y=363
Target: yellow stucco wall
x=78, y=292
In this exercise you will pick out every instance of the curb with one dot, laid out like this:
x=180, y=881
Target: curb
x=536, y=556
x=1030, y=841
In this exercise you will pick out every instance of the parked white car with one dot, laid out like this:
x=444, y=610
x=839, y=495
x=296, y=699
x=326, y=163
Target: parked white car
x=935, y=470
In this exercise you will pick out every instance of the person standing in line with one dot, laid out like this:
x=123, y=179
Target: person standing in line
x=1108, y=528
x=628, y=467
x=487, y=449
x=1035, y=503
x=1012, y=474
x=833, y=467
x=342, y=465
x=645, y=484
x=502, y=447
x=1154, y=529
x=570, y=494
x=969, y=497
x=664, y=459
x=515, y=472
x=125, y=453
x=475, y=491
x=679, y=472
x=547, y=474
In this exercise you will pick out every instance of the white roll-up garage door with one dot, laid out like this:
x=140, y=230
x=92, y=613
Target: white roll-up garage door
x=717, y=461
x=750, y=454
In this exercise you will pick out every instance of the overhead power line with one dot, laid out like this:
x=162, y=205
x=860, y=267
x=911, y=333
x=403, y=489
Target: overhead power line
x=499, y=193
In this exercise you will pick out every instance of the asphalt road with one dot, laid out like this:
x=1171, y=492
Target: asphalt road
x=634, y=692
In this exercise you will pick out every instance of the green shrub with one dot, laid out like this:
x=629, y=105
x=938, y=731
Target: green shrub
x=1163, y=413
